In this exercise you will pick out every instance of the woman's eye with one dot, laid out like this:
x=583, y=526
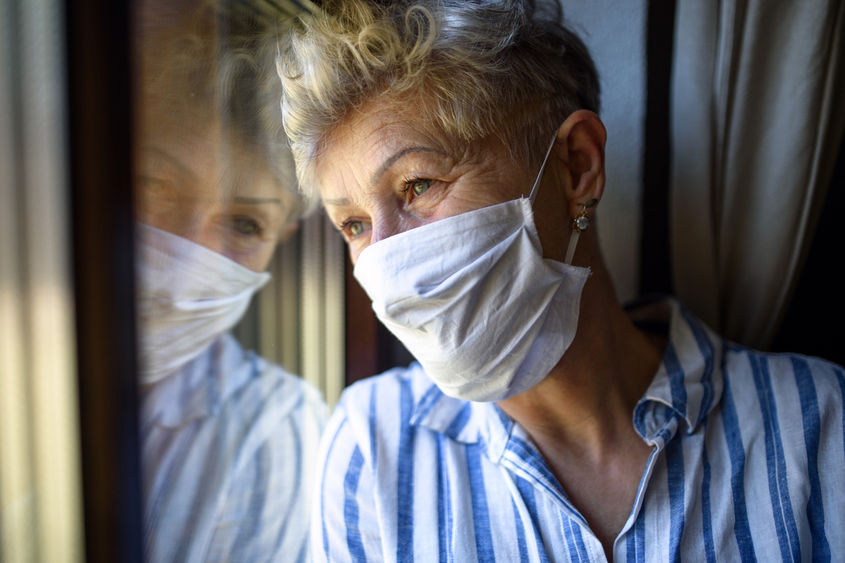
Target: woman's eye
x=354, y=228
x=154, y=188
x=418, y=186
x=246, y=226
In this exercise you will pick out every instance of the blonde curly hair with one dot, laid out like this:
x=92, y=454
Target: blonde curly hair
x=472, y=68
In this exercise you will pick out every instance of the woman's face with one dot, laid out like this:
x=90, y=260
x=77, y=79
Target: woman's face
x=383, y=173
x=193, y=181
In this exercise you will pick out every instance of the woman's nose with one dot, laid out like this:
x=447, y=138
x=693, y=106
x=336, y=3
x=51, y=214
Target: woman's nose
x=385, y=225
x=380, y=232
x=392, y=222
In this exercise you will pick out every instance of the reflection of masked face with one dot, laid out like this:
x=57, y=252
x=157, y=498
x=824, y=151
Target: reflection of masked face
x=187, y=296
x=210, y=215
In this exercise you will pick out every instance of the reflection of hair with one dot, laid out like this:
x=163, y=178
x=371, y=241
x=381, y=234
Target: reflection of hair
x=472, y=69
x=199, y=59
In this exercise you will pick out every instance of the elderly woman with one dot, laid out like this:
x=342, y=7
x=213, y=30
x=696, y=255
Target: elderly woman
x=229, y=439
x=457, y=148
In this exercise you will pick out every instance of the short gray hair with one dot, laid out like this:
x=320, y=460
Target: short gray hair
x=508, y=68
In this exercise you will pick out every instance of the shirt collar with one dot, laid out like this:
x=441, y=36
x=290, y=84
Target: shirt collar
x=463, y=421
x=688, y=384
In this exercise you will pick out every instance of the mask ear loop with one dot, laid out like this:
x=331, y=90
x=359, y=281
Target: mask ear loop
x=570, y=251
x=542, y=167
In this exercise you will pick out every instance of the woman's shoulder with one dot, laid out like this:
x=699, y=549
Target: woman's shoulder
x=383, y=407
x=786, y=371
x=411, y=379
x=391, y=395
x=785, y=392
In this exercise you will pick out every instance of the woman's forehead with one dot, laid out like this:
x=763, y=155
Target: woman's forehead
x=385, y=121
x=367, y=136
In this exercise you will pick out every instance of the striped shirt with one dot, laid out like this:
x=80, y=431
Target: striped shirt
x=229, y=446
x=747, y=463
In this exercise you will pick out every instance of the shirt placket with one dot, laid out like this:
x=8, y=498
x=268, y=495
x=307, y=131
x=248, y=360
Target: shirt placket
x=522, y=459
x=656, y=429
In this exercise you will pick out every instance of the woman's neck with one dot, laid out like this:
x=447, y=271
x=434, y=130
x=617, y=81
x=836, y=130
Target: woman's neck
x=580, y=416
x=588, y=398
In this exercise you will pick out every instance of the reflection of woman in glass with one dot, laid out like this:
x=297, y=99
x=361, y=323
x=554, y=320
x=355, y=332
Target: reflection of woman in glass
x=455, y=146
x=228, y=438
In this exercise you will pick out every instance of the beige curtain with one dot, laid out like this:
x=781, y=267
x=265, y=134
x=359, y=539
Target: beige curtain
x=758, y=108
x=40, y=472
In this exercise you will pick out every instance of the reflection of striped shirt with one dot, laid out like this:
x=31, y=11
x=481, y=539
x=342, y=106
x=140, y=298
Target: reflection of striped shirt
x=228, y=450
x=748, y=462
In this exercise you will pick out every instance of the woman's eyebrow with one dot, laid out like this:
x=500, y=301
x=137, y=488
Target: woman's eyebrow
x=258, y=200
x=174, y=161
x=396, y=156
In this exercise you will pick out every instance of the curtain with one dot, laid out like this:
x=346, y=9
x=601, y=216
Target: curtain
x=40, y=477
x=757, y=118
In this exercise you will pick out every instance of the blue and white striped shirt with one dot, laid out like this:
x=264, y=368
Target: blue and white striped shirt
x=748, y=463
x=229, y=449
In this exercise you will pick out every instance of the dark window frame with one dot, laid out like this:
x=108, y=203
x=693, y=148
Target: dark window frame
x=98, y=39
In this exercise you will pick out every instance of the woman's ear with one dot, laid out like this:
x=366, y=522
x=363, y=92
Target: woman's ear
x=580, y=147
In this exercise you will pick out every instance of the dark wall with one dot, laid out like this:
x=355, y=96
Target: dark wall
x=813, y=323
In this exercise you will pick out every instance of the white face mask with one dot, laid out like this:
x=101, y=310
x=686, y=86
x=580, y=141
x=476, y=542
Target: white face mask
x=187, y=296
x=473, y=299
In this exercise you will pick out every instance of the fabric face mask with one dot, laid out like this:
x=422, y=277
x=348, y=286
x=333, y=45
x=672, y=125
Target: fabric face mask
x=187, y=296
x=473, y=299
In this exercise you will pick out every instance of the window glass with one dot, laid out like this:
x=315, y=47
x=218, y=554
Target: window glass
x=229, y=428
